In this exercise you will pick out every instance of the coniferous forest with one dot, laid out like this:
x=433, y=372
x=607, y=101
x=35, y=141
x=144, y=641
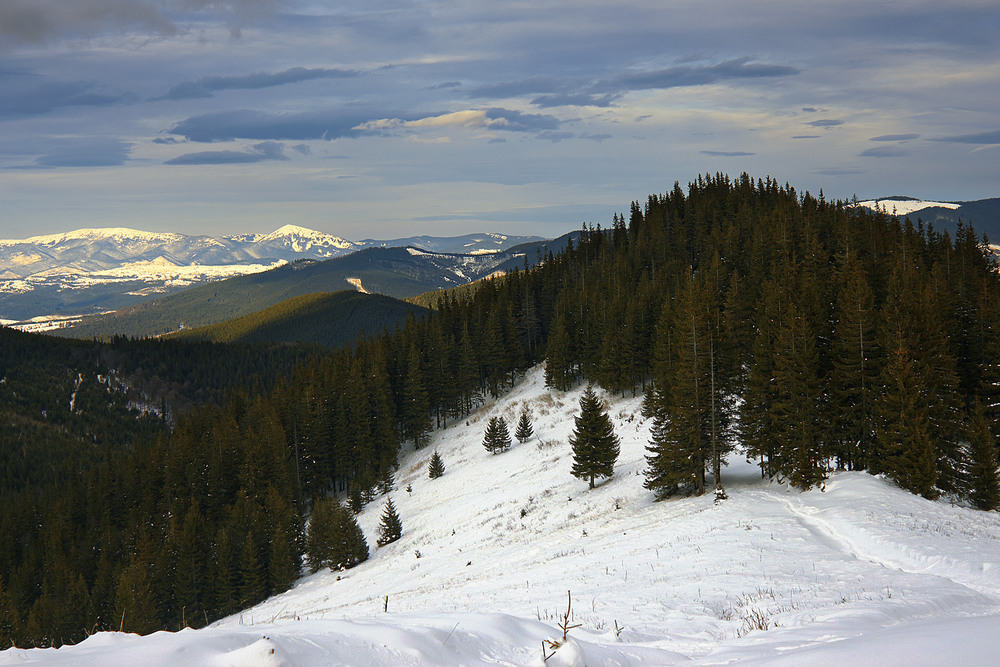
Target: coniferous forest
x=807, y=334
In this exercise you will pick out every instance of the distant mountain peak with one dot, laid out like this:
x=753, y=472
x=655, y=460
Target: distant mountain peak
x=94, y=234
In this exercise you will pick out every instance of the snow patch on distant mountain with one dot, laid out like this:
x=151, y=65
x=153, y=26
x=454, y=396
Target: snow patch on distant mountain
x=150, y=263
x=903, y=205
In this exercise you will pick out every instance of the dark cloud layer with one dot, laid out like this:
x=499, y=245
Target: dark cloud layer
x=980, y=138
x=204, y=87
x=84, y=152
x=727, y=153
x=32, y=22
x=574, y=91
x=23, y=94
x=694, y=75
x=895, y=137
x=884, y=152
x=262, y=152
x=260, y=125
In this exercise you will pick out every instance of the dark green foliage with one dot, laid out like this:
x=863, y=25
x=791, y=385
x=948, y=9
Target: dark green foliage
x=8, y=617
x=983, y=468
x=497, y=437
x=416, y=402
x=390, y=528
x=435, y=467
x=334, y=539
x=905, y=448
x=594, y=443
x=688, y=404
x=331, y=319
x=524, y=428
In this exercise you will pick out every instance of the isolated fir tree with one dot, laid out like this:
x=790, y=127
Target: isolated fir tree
x=334, y=539
x=594, y=443
x=390, y=528
x=435, y=467
x=497, y=437
x=524, y=428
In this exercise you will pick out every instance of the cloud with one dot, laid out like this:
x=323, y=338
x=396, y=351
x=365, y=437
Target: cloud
x=495, y=118
x=555, y=137
x=24, y=22
x=826, y=122
x=980, y=138
x=574, y=99
x=249, y=124
x=34, y=22
x=806, y=136
x=727, y=153
x=810, y=109
x=886, y=151
x=85, y=152
x=530, y=86
x=206, y=86
x=26, y=94
x=895, y=137
x=262, y=152
x=552, y=91
x=694, y=75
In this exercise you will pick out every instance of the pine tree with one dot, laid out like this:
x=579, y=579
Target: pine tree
x=497, y=437
x=415, y=412
x=524, y=428
x=334, y=538
x=905, y=448
x=435, y=468
x=559, y=368
x=985, y=492
x=851, y=385
x=390, y=528
x=796, y=395
x=594, y=443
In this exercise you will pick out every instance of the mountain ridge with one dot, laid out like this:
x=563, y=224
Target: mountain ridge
x=94, y=270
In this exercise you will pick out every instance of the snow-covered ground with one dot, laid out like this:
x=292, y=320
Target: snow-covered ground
x=904, y=206
x=859, y=573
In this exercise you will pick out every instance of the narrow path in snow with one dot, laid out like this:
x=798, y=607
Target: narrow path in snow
x=862, y=544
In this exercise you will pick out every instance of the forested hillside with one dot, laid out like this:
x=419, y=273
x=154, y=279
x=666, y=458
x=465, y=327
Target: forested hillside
x=810, y=334
x=330, y=319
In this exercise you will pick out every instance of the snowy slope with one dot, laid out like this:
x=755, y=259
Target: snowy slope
x=904, y=205
x=860, y=572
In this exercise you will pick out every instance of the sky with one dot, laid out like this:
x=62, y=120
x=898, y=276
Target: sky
x=388, y=118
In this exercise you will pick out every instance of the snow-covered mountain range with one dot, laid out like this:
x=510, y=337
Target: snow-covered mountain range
x=900, y=205
x=858, y=572
x=108, y=264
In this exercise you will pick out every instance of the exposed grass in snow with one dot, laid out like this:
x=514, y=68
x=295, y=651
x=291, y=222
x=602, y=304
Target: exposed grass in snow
x=859, y=572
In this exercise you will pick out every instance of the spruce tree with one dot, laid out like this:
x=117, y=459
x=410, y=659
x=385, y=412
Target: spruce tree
x=435, y=467
x=524, y=428
x=415, y=411
x=559, y=366
x=8, y=617
x=497, y=437
x=594, y=443
x=334, y=539
x=985, y=491
x=390, y=528
x=905, y=448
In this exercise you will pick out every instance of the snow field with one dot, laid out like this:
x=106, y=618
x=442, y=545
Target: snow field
x=860, y=572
